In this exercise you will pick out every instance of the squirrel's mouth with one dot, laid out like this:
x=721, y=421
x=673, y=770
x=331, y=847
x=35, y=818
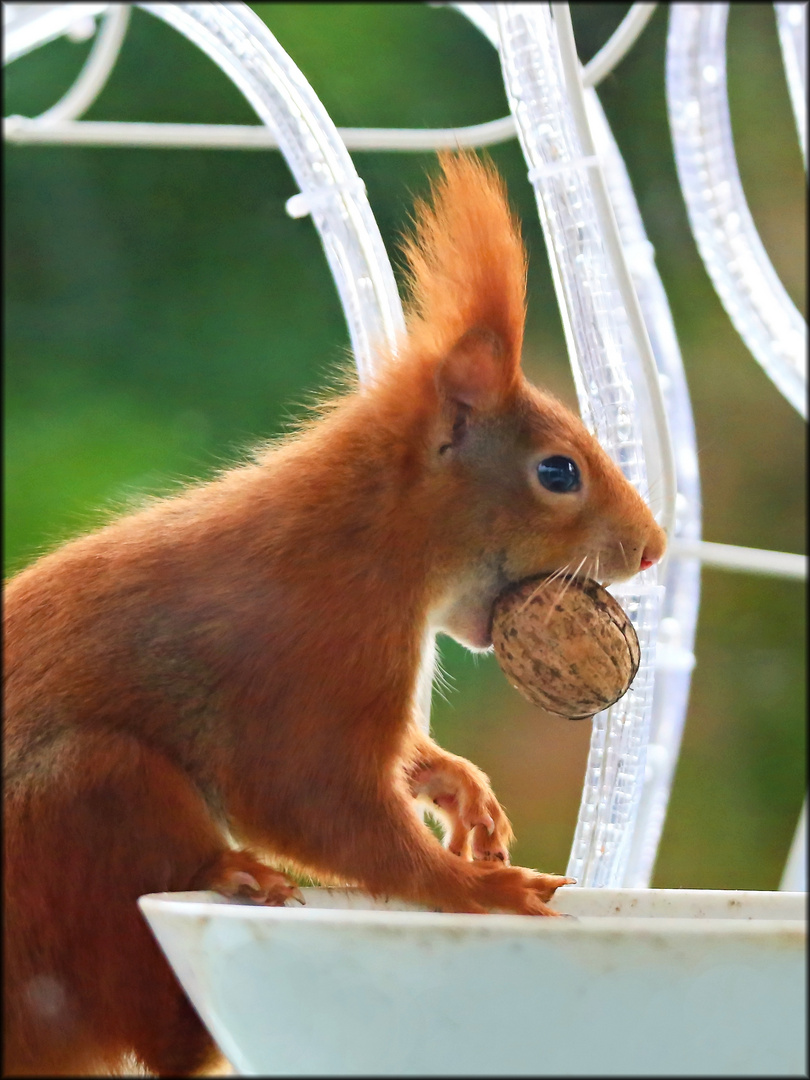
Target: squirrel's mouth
x=474, y=629
x=468, y=618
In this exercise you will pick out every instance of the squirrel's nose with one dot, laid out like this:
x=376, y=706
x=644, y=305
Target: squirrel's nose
x=653, y=551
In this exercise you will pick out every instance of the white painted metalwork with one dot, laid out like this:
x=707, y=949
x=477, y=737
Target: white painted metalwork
x=618, y=44
x=20, y=36
x=674, y=657
x=28, y=26
x=757, y=304
x=545, y=96
x=792, y=22
x=93, y=76
x=21, y=129
x=656, y=440
x=237, y=40
x=744, y=559
x=794, y=878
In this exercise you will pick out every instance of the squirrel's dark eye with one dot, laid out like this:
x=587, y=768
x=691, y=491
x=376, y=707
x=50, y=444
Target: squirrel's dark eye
x=559, y=474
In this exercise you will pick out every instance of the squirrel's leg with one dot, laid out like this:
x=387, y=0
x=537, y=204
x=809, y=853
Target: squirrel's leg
x=242, y=873
x=475, y=822
x=363, y=826
x=85, y=979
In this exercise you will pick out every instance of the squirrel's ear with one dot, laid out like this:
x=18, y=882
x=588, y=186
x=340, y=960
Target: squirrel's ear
x=477, y=371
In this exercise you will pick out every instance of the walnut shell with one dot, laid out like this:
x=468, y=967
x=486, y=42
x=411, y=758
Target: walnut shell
x=568, y=647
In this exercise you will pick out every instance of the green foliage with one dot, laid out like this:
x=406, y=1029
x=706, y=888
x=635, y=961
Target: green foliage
x=163, y=312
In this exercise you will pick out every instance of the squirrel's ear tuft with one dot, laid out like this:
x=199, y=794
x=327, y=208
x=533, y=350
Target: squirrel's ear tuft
x=475, y=372
x=467, y=277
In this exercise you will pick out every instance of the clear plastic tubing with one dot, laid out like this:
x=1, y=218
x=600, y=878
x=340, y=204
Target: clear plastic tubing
x=791, y=20
x=676, y=631
x=674, y=654
x=598, y=337
x=758, y=305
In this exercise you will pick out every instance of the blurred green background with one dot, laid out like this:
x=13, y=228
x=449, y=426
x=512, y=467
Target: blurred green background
x=162, y=312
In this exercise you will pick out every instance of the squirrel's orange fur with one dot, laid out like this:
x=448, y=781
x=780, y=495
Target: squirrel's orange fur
x=229, y=673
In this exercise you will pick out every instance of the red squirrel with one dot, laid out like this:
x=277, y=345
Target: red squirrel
x=228, y=674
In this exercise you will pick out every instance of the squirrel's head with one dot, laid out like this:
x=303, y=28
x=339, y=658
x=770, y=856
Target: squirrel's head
x=517, y=484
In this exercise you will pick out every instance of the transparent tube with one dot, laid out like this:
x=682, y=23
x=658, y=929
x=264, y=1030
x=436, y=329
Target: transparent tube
x=674, y=655
x=676, y=631
x=791, y=20
x=758, y=305
x=598, y=338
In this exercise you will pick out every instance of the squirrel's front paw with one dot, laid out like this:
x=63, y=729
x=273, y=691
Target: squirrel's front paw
x=241, y=874
x=525, y=892
x=477, y=827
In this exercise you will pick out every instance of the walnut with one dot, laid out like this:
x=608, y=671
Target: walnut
x=566, y=645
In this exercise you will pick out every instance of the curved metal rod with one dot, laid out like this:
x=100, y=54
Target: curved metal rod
x=674, y=657
x=794, y=877
x=791, y=20
x=755, y=300
x=29, y=26
x=612, y=240
x=237, y=40
x=20, y=129
x=97, y=68
x=612, y=52
x=618, y=44
x=598, y=341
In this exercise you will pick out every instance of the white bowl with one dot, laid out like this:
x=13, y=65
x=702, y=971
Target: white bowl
x=652, y=982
